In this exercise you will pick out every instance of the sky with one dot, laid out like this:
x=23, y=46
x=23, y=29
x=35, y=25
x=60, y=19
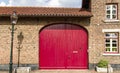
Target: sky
x=42, y=3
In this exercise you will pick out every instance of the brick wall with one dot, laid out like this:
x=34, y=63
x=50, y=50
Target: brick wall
x=96, y=36
x=30, y=28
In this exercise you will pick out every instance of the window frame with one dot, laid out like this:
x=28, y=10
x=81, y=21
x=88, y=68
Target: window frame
x=111, y=44
x=111, y=11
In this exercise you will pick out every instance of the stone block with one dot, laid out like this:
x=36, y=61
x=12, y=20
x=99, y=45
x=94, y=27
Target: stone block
x=22, y=70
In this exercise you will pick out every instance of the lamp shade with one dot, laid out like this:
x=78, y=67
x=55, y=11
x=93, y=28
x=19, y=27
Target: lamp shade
x=14, y=17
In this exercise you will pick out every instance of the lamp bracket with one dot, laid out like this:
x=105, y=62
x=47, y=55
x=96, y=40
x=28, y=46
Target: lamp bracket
x=11, y=29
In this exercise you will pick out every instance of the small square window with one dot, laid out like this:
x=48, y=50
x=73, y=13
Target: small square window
x=111, y=11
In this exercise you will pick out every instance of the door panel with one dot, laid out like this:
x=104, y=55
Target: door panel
x=63, y=46
x=77, y=57
x=52, y=49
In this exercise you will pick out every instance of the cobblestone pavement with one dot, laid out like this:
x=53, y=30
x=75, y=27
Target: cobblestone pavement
x=61, y=71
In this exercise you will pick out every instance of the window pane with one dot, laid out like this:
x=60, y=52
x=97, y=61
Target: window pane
x=114, y=41
x=114, y=49
x=107, y=45
x=107, y=40
x=114, y=16
x=108, y=35
x=108, y=16
x=114, y=12
x=107, y=49
x=113, y=35
x=108, y=11
x=108, y=7
x=114, y=45
x=114, y=7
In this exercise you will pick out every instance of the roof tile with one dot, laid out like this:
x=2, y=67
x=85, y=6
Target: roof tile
x=44, y=11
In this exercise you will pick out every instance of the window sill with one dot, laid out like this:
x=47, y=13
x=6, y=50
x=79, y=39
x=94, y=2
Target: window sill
x=111, y=54
x=111, y=21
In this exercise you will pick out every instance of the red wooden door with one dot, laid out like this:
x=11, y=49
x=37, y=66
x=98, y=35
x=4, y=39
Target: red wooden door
x=63, y=46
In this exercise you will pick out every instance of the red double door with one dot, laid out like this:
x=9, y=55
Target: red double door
x=63, y=46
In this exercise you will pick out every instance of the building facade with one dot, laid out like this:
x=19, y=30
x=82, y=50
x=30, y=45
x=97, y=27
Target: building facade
x=102, y=26
x=63, y=38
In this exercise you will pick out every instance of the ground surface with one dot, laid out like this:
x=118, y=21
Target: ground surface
x=61, y=71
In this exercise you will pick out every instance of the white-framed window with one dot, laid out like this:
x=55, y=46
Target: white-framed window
x=111, y=42
x=111, y=11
